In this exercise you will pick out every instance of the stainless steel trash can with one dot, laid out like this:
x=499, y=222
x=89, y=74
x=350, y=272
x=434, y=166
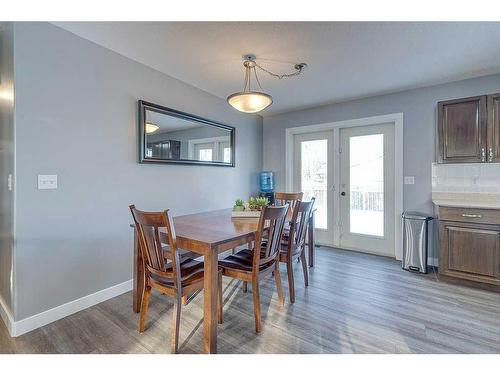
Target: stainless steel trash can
x=415, y=241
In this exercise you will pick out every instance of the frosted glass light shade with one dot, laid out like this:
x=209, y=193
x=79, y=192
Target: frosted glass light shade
x=250, y=101
x=151, y=128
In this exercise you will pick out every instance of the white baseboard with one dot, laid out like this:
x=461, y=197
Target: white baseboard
x=23, y=326
x=431, y=261
x=6, y=315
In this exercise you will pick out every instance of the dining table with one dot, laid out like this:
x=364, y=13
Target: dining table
x=207, y=234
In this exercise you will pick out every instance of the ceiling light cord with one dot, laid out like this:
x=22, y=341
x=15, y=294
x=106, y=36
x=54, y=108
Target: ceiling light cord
x=256, y=77
x=298, y=70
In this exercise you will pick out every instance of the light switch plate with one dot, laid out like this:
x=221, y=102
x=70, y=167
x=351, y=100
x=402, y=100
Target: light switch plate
x=47, y=181
x=409, y=180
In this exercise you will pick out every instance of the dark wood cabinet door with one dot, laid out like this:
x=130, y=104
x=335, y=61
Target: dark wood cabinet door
x=470, y=251
x=462, y=130
x=494, y=128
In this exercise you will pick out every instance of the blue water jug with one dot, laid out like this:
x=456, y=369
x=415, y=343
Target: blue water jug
x=266, y=181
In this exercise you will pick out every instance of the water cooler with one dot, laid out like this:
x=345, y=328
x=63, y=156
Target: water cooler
x=266, y=185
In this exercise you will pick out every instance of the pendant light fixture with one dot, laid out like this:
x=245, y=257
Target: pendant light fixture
x=250, y=101
x=151, y=128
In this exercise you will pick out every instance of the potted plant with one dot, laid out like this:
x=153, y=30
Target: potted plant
x=252, y=203
x=261, y=202
x=238, y=205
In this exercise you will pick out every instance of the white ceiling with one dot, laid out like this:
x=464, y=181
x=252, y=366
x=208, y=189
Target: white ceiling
x=169, y=123
x=346, y=60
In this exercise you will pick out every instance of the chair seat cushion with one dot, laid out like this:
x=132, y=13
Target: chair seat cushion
x=191, y=270
x=241, y=261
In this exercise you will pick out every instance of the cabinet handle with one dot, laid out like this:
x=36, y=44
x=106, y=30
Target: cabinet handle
x=483, y=154
x=472, y=215
x=490, y=156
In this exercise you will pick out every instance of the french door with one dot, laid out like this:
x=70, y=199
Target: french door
x=351, y=173
x=313, y=175
x=366, y=190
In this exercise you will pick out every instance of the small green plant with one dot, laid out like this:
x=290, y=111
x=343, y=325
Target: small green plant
x=238, y=205
x=262, y=201
x=252, y=201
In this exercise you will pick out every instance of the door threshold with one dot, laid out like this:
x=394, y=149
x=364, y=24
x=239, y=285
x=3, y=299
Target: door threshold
x=392, y=256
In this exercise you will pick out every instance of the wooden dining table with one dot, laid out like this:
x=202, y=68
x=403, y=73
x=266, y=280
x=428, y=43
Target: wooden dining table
x=207, y=234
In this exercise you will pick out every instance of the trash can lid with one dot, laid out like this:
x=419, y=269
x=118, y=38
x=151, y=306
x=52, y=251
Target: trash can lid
x=416, y=215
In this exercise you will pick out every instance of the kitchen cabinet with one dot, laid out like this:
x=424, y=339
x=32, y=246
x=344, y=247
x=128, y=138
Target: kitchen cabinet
x=470, y=244
x=469, y=130
x=165, y=149
x=493, y=105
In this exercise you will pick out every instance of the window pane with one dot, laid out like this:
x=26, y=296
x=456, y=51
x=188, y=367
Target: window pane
x=314, y=179
x=205, y=154
x=366, y=156
x=227, y=154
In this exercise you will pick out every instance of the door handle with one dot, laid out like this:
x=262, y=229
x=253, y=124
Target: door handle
x=472, y=215
x=343, y=193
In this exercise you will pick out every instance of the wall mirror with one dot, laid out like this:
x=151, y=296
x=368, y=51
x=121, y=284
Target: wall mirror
x=170, y=136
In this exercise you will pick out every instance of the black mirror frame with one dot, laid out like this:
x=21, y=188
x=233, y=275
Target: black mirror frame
x=143, y=105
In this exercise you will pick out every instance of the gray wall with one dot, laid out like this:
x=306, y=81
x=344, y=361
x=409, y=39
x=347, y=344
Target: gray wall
x=419, y=108
x=76, y=111
x=6, y=161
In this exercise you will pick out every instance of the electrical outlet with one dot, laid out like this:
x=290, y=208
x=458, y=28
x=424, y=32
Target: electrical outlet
x=47, y=181
x=409, y=180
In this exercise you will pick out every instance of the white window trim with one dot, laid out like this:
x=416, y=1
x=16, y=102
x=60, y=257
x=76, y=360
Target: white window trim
x=397, y=120
x=215, y=140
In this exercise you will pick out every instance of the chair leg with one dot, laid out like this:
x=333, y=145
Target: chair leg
x=277, y=279
x=304, y=267
x=256, y=305
x=310, y=241
x=144, y=308
x=175, y=323
x=291, y=284
x=219, y=304
x=245, y=287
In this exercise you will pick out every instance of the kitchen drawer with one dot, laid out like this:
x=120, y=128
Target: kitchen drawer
x=469, y=215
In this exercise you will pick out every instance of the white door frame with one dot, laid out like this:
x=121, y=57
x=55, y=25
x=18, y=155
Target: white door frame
x=397, y=120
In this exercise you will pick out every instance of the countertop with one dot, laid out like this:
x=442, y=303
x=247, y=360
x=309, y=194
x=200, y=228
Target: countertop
x=472, y=200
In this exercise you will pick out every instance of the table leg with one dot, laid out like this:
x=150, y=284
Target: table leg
x=138, y=284
x=310, y=241
x=210, y=302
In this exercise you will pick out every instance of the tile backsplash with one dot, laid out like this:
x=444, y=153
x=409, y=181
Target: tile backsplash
x=473, y=178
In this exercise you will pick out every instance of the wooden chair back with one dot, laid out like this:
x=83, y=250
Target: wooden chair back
x=150, y=227
x=298, y=224
x=280, y=199
x=272, y=221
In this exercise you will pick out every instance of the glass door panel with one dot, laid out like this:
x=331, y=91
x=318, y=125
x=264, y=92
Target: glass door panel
x=366, y=163
x=313, y=175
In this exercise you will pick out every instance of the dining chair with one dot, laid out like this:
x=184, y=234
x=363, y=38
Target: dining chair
x=165, y=269
x=252, y=265
x=281, y=199
x=293, y=247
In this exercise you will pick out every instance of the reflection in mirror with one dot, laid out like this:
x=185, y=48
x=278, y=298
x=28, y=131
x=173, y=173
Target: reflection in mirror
x=170, y=136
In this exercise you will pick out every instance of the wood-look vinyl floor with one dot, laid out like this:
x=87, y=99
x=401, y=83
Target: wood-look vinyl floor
x=355, y=303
